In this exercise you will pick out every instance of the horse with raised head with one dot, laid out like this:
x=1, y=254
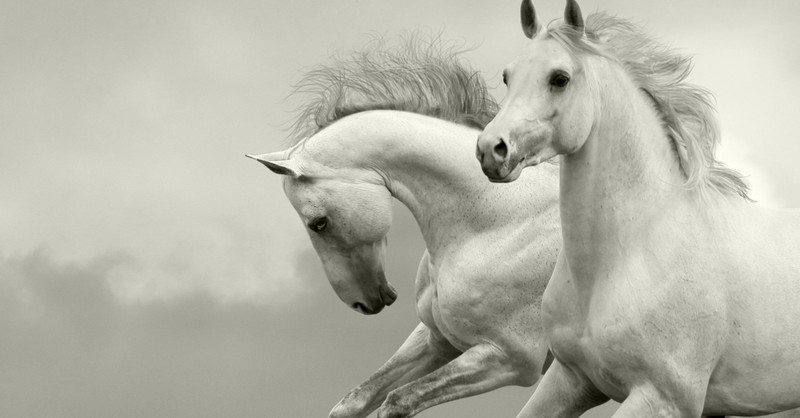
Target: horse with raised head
x=401, y=123
x=674, y=293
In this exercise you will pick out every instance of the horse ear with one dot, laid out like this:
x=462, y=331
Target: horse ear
x=573, y=16
x=277, y=164
x=530, y=25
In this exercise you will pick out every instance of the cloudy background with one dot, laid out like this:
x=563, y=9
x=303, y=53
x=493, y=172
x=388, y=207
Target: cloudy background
x=148, y=269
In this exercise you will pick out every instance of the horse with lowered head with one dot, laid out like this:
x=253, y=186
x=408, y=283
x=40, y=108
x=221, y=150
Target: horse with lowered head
x=400, y=123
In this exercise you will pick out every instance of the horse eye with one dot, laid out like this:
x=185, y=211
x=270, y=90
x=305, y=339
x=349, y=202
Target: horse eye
x=559, y=80
x=319, y=224
x=505, y=79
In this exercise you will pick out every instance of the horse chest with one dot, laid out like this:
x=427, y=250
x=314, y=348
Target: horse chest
x=609, y=337
x=455, y=311
x=602, y=359
x=428, y=303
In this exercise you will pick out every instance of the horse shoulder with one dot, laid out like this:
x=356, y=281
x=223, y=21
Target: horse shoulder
x=479, y=300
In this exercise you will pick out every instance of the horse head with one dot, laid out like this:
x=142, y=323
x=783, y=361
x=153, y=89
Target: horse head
x=546, y=111
x=347, y=214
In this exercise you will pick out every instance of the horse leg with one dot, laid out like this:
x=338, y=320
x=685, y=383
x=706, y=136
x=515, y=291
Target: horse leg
x=562, y=393
x=480, y=369
x=422, y=352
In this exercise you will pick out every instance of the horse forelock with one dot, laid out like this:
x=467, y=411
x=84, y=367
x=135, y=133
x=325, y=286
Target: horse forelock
x=422, y=76
x=687, y=111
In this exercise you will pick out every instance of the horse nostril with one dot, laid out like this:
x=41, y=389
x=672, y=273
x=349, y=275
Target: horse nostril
x=500, y=150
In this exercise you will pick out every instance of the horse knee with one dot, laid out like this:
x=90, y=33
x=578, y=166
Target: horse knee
x=396, y=406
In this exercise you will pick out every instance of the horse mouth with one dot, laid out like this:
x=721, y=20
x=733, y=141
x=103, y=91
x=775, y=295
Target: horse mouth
x=386, y=296
x=365, y=310
x=504, y=173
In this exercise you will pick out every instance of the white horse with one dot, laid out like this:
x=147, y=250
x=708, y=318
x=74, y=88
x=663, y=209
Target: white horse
x=490, y=248
x=674, y=293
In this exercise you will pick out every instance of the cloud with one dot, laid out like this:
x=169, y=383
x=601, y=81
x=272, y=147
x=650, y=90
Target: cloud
x=135, y=151
x=227, y=260
x=72, y=348
x=177, y=236
x=148, y=269
x=70, y=299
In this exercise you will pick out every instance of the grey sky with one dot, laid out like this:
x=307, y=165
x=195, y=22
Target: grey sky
x=148, y=269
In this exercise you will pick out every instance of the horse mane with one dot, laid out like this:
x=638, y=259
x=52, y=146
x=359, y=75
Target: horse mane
x=423, y=76
x=686, y=110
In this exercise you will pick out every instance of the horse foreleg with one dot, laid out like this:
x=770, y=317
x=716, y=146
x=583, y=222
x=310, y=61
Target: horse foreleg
x=480, y=369
x=420, y=354
x=562, y=393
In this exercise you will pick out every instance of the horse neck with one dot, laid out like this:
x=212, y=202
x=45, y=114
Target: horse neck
x=429, y=165
x=626, y=172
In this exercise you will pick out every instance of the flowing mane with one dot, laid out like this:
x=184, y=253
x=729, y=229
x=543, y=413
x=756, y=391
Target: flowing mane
x=687, y=112
x=419, y=76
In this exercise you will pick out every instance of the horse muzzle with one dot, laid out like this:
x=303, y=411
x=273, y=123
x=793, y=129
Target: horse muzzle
x=386, y=296
x=496, y=161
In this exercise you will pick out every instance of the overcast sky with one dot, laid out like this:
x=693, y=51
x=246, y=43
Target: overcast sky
x=148, y=269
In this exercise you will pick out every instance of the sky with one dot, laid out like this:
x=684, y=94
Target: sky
x=148, y=269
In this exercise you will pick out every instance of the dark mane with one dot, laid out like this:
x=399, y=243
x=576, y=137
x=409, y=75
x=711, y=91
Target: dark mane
x=420, y=76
